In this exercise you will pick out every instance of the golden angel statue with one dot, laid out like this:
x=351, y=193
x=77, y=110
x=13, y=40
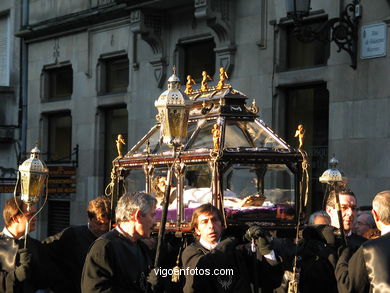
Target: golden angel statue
x=189, y=83
x=300, y=133
x=222, y=77
x=205, y=78
x=119, y=142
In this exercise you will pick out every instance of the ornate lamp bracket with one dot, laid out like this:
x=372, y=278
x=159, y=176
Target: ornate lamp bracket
x=342, y=30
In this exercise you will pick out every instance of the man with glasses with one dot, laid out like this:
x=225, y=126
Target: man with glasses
x=69, y=247
x=365, y=224
x=319, y=248
x=348, y=213
x=368, y=270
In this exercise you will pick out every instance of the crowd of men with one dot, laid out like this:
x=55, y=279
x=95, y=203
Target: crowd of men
x=92, y=258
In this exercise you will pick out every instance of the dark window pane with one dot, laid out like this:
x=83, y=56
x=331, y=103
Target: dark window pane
x=310, y=106
x=60, y=137
x=199, y=57
x=117, y=74
x=115, y=123
x=58, y=216
x=305, y=54
x=60, y=82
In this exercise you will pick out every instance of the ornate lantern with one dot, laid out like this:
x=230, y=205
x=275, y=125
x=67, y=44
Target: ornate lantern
x=297, y=8
x=332, y=175
x=173, y=107
x=33, y=176
x=334, y=178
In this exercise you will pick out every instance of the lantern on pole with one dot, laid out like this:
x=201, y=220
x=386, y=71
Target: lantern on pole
x=173, y=107
x=33, y=174
x=334, y=178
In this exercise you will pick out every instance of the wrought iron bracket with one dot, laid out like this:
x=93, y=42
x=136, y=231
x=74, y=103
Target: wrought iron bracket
x=342, y=30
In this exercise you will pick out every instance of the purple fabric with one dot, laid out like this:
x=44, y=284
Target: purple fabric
x=260, y=213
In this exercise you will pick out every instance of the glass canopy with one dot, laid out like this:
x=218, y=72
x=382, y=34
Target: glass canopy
x=247, y=171
x=238, y=135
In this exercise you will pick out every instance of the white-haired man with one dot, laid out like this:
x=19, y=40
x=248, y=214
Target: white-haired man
x=368, y=270
x=118, y=261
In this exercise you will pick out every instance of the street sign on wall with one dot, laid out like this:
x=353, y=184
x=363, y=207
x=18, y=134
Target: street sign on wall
x=373, y=41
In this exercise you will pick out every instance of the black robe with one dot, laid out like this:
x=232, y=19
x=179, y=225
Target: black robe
x=41, y=269
x=245, y=268
x=317, y=260
x=368, y=270
x=115, y=264
x=68, y=250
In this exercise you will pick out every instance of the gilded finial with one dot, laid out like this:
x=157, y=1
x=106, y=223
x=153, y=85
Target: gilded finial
x=254, y=109
x=174, y=69
x=189, y=83
x=222, y=77
x=119, y=142
x=205, y=78
x=300, y=133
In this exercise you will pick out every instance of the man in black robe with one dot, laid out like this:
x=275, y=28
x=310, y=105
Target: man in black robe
x=214, y=264
x=21, y=269
x=69, y=247
x=368, y=270
x=118, y=261
x=319, y=247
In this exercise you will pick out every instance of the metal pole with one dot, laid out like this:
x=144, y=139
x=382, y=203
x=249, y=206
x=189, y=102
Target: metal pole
x=163, y=221
x=339, y=214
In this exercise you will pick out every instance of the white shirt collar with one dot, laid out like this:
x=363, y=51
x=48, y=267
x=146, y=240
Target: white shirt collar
x=9, y=234
x=207, y=245
x=385, y=229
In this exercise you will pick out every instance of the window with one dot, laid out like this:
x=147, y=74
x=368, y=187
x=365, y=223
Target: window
x=57, y=83
x=310, y=106
x=58, y=216
x=304, y=54
x=113, y=75
x=4, y=50
x=115, y=123
x=197, y=57
x=60, y=137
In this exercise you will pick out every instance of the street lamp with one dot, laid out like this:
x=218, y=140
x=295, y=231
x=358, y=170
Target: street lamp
x=334, y=178
x=342, y=30
x=33, y=175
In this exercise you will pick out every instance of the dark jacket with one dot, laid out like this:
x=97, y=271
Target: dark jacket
x=226, y=255
x=41, y=268
x=115, y=264
x=68, y=250
x=318, y=255
x=368, y=270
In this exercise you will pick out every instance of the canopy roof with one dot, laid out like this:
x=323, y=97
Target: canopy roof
x=242, y=133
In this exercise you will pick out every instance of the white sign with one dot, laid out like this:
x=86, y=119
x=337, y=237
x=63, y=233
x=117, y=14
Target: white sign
x=374, y=40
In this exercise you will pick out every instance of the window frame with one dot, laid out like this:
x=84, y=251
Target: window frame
x=48, y=73
x=102, y=76
x=181, y=55
x=49, y=129
x=316, y=17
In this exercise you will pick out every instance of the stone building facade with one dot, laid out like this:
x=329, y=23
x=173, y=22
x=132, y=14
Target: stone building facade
x=95, y=68
x=11, y=101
